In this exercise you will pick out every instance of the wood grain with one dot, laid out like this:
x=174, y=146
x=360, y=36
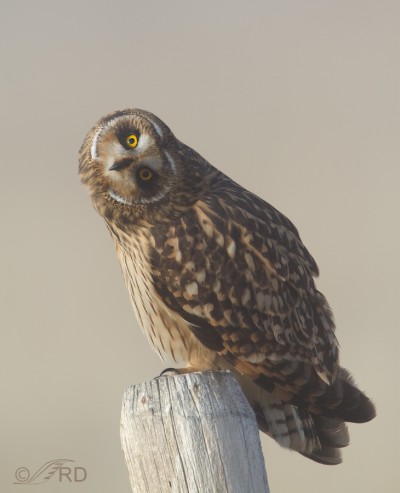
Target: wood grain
x=191, y=433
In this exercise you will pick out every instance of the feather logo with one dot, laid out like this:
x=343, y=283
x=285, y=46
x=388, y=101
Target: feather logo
x=43, y=474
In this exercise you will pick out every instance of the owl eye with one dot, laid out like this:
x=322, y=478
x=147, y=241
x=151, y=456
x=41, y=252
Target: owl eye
x=145, y=174
x=132, y=140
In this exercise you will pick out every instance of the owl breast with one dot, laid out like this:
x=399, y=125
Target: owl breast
x=170, y=336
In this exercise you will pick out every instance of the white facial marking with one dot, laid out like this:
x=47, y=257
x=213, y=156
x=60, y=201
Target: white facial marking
x=93, y=149
x=102, y=128
x=118, y=198
x=113, y=149
x=156, y=126
x=144, y=142
x=171, y=161
x=143, y=200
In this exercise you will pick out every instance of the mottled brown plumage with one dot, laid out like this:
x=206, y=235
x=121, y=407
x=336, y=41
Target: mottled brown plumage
x=218, y=278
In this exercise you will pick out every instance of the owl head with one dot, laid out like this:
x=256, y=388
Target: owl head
x=132, y=163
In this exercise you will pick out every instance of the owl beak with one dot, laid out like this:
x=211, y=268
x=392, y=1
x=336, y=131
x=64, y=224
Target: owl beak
x=119, y=165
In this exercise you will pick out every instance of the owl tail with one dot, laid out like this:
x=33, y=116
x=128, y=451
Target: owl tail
x=316, y=437
x=344, y=400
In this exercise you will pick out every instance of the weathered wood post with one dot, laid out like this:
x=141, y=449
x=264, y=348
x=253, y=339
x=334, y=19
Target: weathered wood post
x=191, y=433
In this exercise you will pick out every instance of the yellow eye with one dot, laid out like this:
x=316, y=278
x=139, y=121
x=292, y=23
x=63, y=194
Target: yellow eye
x=145, y=174
x=132, y=140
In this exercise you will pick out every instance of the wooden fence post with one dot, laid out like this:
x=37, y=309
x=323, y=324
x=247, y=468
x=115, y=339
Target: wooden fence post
x=191, y=433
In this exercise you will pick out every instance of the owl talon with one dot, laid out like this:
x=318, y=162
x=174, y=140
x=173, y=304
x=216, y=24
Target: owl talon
x=169, y=372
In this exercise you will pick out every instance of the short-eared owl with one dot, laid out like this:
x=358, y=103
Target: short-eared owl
x=219, y=279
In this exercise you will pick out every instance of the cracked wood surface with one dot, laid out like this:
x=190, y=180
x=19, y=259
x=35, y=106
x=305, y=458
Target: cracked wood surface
x=191, y=433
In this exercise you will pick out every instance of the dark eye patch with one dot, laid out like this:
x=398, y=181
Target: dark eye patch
x=123, y=130
x=145, y=181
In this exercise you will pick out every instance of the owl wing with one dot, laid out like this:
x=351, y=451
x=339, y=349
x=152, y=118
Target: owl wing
x=236, y=270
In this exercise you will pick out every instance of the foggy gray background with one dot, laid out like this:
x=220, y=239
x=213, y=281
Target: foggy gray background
x=296, y=100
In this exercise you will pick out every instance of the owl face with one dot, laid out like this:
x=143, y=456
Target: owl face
x=129, y=158
x=137, y=172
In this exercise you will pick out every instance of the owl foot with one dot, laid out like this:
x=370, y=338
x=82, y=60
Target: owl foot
x=170, y=372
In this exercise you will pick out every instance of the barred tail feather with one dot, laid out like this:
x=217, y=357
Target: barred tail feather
x=333, y=435
x=315, y=436
x=311, y=419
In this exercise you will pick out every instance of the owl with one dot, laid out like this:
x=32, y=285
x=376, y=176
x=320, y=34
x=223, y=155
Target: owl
x=220, y=279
